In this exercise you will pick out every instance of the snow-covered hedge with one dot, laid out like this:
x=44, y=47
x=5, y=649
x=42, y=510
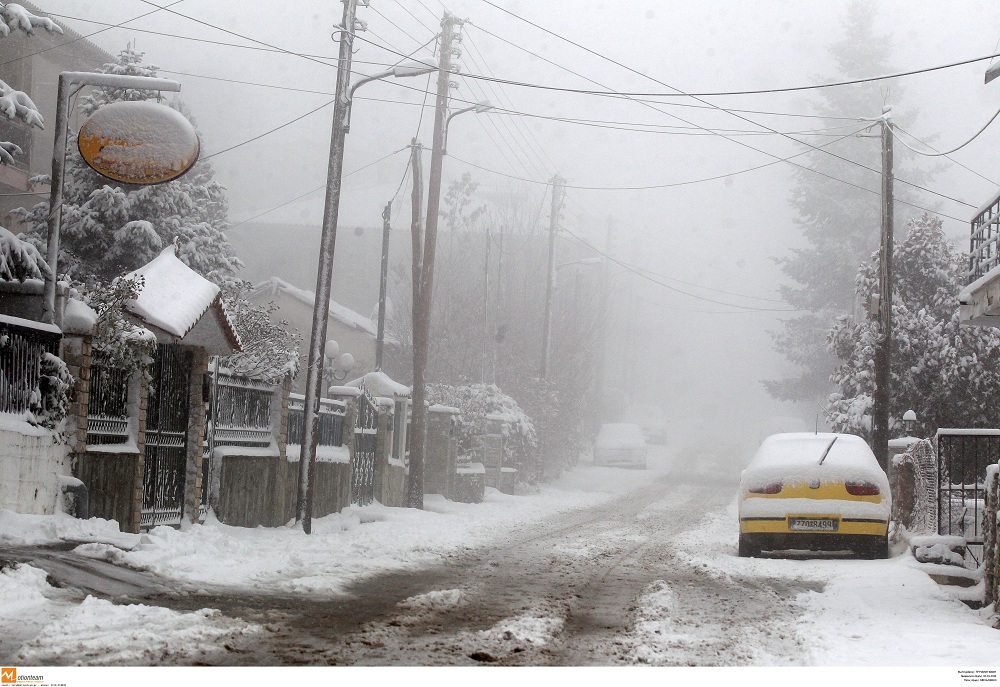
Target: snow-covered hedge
x=477, y=402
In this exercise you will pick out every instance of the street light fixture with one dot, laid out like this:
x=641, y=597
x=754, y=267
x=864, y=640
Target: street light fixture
x=328, y=239
x=478, y=108
x=399, y=71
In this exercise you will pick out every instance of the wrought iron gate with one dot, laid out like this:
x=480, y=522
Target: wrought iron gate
x=166, y=437
x=963, y=455
x=365, y=442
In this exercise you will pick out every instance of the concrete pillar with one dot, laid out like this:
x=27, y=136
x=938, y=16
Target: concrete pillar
x=195, y=437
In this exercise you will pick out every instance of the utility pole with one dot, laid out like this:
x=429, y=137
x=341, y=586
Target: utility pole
x=600, y=381
x=486, y=308
x=557, y=191
x=416, y=220
x=422, y=304
x=883, y=356
x=383, y=283
x=324, y=276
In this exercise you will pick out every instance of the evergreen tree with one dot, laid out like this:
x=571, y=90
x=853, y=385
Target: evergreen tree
x=109, y=228
x=945, y=372
x=839, y=222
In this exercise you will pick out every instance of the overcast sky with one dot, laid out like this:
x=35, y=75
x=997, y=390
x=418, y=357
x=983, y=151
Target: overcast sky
x=723, y=233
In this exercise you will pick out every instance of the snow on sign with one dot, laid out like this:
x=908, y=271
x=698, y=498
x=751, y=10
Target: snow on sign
x=139, y=142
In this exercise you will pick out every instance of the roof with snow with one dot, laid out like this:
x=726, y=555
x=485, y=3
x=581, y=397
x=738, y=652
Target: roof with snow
x=181, y=304
x=341, y=313
x=379, y=384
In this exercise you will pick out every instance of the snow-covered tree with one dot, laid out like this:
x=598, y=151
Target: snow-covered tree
x=270, y=347
x=109, y=229
x=476, y=402
x=839, y=222
x=19, y=261
x=947, y=373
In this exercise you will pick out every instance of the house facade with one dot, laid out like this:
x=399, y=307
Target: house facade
x=354, y=333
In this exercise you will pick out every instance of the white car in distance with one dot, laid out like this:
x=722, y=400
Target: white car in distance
x=620, y=444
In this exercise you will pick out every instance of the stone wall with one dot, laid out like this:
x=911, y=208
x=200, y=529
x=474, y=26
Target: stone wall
x=30, y=462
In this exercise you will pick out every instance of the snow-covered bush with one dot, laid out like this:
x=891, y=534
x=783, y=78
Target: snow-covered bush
x=49, y=404
x=120, y=343
x=270, y=349
x=948, y=374
x=479, y=401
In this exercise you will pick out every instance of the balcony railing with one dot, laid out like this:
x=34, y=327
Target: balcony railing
x=983, y=249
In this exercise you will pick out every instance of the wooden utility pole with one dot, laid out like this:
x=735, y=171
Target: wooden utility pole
x=383, y=284
x=416, y=219
x=324, y=273
x=557, y=191
x=422, y=304
x=883, y=357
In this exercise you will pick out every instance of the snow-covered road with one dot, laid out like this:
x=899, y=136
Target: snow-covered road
x=603, y=567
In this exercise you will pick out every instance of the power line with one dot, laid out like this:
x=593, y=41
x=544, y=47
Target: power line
x=646, y=275
x=948, y=157
x=89, y=35
x=310, y=192
x=638, y=127
x=722, y=109
x=956, y=148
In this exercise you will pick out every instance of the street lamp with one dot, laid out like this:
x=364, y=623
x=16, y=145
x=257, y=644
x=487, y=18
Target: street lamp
x=338, y=365
x=328, y=238
x=71, y=83
x=399, y=71
x=478, y=108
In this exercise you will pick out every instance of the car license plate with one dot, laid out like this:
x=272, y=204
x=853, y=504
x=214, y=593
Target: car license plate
x=812, y=524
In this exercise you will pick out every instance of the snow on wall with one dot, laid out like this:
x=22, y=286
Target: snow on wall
x=174, y=296
x=31, y=463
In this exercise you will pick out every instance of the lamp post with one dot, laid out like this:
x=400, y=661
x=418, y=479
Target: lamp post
x=324, y=276
x=478, y=108
x=71, y=83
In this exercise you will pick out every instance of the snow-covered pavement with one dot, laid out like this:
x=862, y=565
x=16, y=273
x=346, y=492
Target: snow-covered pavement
x=845, y=612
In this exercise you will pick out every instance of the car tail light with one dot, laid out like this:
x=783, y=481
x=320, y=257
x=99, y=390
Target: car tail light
x=773, y=488
x=862, y=489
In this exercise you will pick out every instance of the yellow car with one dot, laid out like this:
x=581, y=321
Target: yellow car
x=817, y=492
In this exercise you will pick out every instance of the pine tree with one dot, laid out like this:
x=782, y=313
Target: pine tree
x=945, y=372
x=838, y=221
x=109, y=229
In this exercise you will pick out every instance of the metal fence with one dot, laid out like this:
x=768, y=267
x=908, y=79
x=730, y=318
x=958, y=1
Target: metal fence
x=331, y=421
x=242, y=411
x=22, y=346
x=107, y=405
x=983, y=249
x=963, y=457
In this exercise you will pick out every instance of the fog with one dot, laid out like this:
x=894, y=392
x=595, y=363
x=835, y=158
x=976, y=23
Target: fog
x=700, y=354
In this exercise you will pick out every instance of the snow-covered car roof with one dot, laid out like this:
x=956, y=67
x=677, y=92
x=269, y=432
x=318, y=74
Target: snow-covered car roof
x=806, y=456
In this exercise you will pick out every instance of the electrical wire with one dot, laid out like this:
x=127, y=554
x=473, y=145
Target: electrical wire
x=643, y=273
x=310, y=192
x=946, y=152
x=896, y=127
x=722, y=109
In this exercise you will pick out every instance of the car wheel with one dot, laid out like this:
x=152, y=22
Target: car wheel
x=875, y=548
x=748, y=547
